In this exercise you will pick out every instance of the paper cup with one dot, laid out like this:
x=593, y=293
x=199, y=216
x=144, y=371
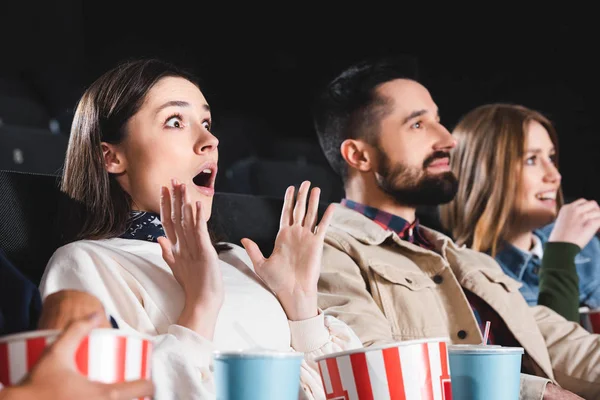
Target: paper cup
x=590, y=319
x=262, y=374
x=415, y=369
x=481, y=372
x=105, y=355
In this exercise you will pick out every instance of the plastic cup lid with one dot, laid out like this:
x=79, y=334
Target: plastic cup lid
x=587, y=310
x=256, y=353
x=483, y=349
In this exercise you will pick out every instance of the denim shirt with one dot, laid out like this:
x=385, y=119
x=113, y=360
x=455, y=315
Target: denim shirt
x=525, y=267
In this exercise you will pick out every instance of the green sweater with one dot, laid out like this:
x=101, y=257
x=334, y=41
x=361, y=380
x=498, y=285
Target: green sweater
x=559, y=283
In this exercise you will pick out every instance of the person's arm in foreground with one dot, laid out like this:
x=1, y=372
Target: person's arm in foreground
x=57, y=366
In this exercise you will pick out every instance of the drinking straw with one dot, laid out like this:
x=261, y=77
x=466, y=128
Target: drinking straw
x=244, y=333
x=487, y=332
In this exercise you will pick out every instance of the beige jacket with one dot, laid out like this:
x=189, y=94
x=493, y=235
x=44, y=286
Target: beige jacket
x=384, y=288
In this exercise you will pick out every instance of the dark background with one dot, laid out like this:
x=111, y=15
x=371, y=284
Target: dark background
x=260, y=68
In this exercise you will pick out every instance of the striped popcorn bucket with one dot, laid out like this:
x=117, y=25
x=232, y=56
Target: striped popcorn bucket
x=590, y=319
x=410, y=370
x=105, y=355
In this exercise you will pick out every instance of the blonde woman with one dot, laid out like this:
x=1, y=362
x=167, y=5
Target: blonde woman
x=509, y=204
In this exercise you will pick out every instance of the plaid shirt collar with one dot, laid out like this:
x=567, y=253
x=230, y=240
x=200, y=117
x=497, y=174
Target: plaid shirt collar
x=404, y=229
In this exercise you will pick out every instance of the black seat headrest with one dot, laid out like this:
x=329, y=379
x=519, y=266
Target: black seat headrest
x=28, y=220
x=36, y=218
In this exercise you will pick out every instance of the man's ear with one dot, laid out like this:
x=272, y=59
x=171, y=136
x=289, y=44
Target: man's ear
x=357, y=155
x=114, y=160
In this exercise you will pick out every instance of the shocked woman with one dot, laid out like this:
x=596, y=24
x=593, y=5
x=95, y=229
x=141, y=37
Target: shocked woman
x=143, y=161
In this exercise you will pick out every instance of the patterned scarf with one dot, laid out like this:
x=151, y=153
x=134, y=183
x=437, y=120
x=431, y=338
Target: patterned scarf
x=144, y=225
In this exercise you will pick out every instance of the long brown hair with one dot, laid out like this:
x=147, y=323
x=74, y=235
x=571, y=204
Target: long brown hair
x=101, y=116
x=488, y=163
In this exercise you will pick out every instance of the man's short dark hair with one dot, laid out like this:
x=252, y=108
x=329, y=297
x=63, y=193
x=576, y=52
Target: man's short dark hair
x=349, y=108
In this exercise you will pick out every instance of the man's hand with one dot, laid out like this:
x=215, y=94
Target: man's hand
x=63, y=307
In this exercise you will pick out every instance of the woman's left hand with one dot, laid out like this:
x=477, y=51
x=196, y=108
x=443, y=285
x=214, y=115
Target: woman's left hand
x=292, y=271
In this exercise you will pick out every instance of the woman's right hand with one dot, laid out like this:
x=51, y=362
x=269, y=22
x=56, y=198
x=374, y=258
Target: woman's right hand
x=189, y=252
x=577, y=223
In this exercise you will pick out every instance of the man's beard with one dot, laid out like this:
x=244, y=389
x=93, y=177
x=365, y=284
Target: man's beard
x=415, y=187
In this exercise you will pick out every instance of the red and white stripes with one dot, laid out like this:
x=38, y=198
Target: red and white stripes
x=405, y=372
x=591, y=321
x=102, y=356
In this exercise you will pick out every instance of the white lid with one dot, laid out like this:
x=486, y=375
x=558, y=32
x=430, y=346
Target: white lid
x=257, y=353
x=483, y=349
x=55, y=332
x=587, y=310
x=383, y=347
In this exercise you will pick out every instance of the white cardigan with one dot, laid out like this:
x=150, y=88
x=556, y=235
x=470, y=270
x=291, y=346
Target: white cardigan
x=138, y=289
